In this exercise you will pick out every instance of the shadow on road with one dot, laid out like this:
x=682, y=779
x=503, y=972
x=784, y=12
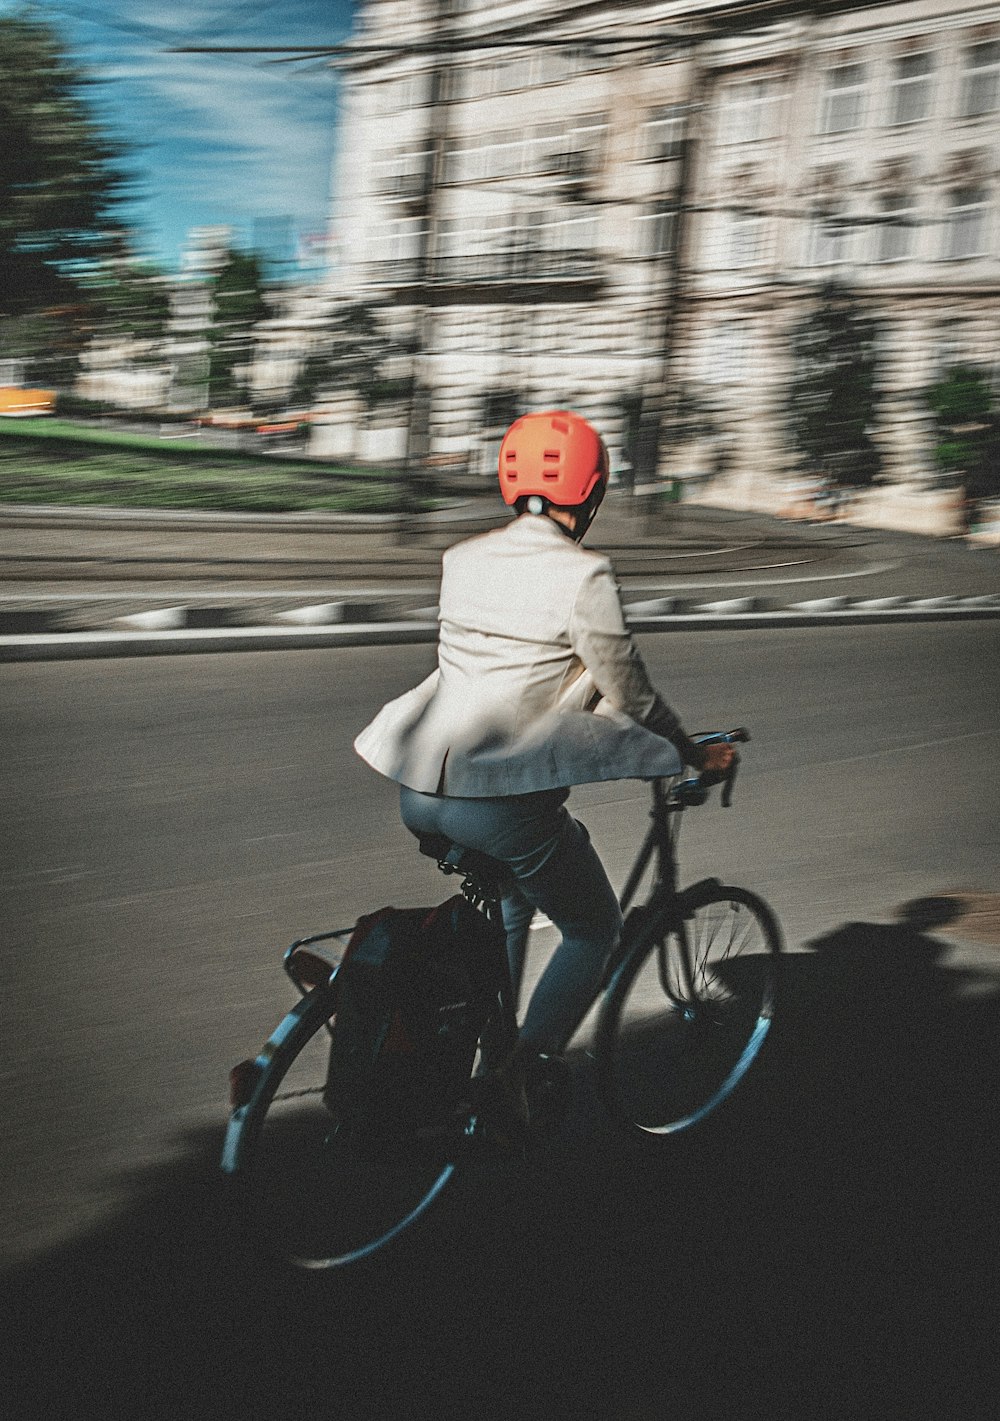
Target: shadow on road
x=824, y=1247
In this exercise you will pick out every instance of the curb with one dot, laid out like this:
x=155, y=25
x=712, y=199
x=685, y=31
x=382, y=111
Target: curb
x=326, y=627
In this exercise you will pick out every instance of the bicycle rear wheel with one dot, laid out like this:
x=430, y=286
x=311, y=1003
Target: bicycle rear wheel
x=688, y=1010
x=309, y=1191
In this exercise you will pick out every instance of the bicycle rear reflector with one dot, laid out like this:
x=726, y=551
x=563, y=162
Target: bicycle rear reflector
x=308, y=970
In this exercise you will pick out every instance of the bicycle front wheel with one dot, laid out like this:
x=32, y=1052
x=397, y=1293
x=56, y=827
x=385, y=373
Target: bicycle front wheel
x=688, y=1010
x=309, y=1191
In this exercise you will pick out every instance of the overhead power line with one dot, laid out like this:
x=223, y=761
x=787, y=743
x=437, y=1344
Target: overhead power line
x=448, y=45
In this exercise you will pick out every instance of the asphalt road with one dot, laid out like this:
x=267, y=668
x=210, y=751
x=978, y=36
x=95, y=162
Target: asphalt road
x=823, y=1247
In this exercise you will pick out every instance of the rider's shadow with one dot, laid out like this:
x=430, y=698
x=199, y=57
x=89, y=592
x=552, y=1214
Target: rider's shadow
x=870, y=1127
x=843, y=1200
x=886, y=1032
x=883, y=1054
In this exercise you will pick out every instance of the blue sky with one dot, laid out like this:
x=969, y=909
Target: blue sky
x=218, y=139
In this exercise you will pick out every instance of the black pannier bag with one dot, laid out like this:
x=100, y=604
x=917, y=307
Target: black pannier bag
x=414, y=993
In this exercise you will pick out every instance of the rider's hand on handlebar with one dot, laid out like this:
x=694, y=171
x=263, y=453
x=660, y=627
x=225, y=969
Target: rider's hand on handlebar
x=717, y=763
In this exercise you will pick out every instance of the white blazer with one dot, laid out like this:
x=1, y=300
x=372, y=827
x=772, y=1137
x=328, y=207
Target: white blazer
x=539, y=683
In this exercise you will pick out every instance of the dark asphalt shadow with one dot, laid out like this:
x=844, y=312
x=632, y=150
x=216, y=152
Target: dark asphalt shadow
x=825, y=1246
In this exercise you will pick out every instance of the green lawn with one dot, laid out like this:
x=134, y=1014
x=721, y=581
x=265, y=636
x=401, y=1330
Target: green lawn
x=53, y=461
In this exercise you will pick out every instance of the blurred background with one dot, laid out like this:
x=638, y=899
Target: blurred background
x=292, y=256
x=757, y=244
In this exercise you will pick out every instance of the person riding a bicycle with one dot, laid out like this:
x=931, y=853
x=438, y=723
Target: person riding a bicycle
x=539, y=686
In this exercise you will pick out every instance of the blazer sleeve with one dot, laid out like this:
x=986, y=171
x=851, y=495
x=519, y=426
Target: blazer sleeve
x=604, y=644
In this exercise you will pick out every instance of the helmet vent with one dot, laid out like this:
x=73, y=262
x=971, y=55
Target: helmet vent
x=561, y=425
x=551, y=456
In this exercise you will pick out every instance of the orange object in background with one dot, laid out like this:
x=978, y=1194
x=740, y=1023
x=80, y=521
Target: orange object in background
x=15, y=402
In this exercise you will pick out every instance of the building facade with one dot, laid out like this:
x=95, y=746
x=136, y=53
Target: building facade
x=623, y=208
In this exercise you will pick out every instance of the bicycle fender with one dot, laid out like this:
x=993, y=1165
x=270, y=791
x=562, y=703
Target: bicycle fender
x=284, y=1042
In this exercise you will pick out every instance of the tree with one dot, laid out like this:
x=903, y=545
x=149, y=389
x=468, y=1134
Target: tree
x=131, y=301
x=239, y=305
x=60, y=180
x=967, y=424
x=832, y=396
x=352, y=351
x=640, y=438
x=652, y=426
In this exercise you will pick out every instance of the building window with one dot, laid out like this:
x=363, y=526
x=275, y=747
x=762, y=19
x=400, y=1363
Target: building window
x=965, y=234
x=751, y=110
x=555, y=64
x=745, y=240
x=726, y=353
x=664, y=133
x=410, y=91
x=981, y=79
x=658, y=229
x=912, y=80
x=844, y=100
x=831, y=239
x=560, y=63
x=396, y=247
x=895, y=232
x=569, y=151
x=403, y=173
x=528, y=246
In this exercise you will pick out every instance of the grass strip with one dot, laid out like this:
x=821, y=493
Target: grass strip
x=125, y=472
x=65, y=438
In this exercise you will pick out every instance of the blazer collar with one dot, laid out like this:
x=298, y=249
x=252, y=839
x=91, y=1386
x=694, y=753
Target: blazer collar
x=532, y=526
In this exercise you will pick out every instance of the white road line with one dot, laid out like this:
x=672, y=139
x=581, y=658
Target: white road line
x=901, y=749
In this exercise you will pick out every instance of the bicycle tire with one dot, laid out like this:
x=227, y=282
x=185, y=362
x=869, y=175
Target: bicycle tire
x=669, y=1053
x=305, y=1191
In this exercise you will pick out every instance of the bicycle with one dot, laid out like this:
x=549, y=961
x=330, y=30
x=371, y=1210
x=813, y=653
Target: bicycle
x=688, y=1000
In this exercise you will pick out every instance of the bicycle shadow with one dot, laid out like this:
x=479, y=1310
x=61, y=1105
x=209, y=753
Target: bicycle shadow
x=823, y=1246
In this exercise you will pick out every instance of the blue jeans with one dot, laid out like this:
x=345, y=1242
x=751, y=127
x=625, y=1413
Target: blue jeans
x=558, y=872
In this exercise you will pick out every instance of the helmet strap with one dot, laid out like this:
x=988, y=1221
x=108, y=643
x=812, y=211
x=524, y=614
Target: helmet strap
x=588, y=512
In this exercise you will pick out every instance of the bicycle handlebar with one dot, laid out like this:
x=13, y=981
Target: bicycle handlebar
x=739, y=736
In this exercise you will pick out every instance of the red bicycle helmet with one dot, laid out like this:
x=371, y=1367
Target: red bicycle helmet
x=554, y=454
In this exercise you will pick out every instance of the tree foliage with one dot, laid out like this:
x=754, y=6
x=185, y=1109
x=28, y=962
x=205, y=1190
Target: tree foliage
x=60, y=175
x=240, y=304
x=832, y=395
x=967, y=424
x=353, y=352
x=131, y=301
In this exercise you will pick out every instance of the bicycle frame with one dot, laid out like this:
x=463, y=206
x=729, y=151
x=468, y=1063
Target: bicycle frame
x=669, y=801
x=660, y=839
